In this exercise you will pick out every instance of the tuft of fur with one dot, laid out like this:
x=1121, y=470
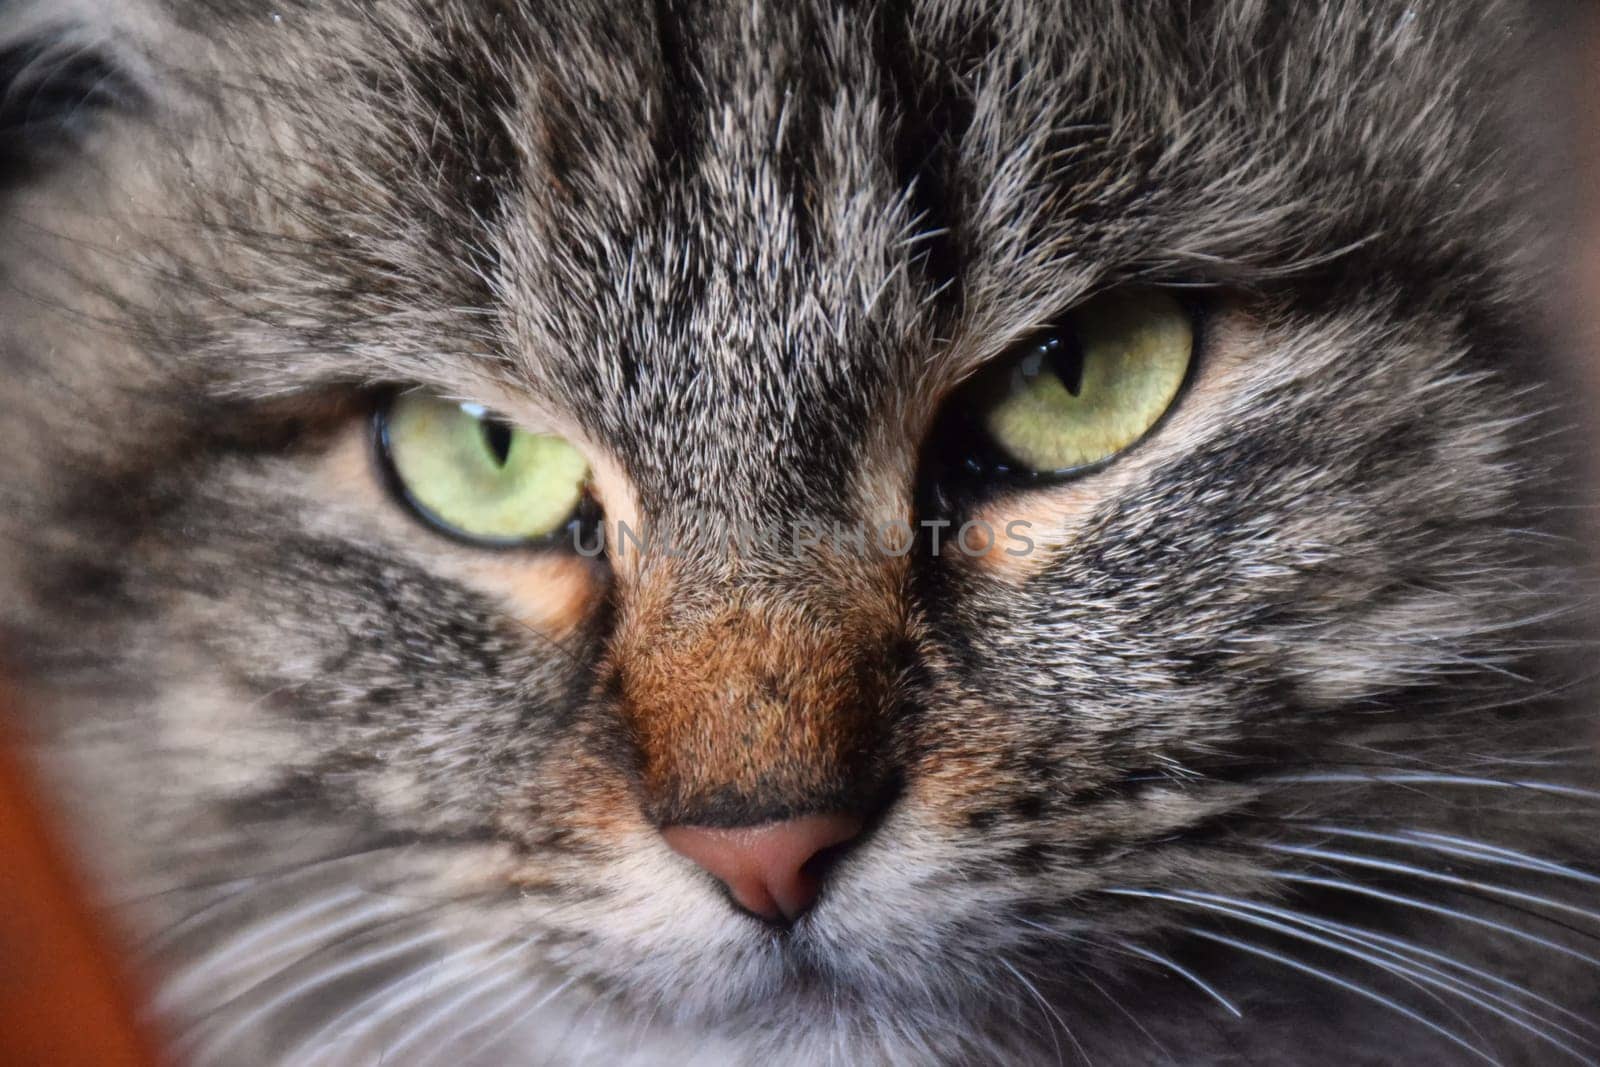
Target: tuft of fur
x=1275, y=750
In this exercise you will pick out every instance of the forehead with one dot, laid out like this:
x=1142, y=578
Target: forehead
x=715, y=257
x=740, y=242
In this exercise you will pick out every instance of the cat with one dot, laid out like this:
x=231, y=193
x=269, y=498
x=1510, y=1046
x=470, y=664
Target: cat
x=345, y=342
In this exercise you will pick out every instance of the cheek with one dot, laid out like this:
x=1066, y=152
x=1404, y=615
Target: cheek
x=553, y=596
x=1301, y=537
x=391, y=658
x=964, y=772
x=1035, y=526
x=576, y=803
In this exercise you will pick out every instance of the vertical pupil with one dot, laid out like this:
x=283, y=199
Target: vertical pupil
x=1066, y=359
x=497, y=435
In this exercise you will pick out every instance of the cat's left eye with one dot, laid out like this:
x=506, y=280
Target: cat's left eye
x=476, y=476
x=1086, y=389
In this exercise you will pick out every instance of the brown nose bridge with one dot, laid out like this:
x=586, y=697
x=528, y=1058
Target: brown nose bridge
x=747, y=713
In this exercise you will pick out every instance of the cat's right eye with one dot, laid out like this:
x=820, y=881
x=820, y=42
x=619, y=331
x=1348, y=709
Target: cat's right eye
x=477, y=477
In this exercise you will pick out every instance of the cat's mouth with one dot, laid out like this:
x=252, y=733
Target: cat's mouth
x=903, y=913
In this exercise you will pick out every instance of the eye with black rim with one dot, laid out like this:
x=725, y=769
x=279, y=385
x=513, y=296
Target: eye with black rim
x=476, y=477
x=1067, y=399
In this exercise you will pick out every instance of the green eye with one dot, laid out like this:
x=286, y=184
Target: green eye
x=1081, y=393
x=476, y=476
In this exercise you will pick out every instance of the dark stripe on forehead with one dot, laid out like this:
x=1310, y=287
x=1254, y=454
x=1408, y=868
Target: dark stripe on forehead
x=699, y=318
x=466, y=83
x=806, y=82
x=932, y=107
x=679, y=134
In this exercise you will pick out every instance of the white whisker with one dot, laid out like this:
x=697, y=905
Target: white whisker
x=1405, y=963
x=1115, y=1003
x=348, y=966
x=1393, y=867
x=1360, y=990
x=422, y=1026
x=1184, y=972
x=213, y=970
x=1438, y=909
x=1519, y=859
x=1465, y=848
x=518, y=1004
x=428, y=982
x=1423, y=778
x=161, y=938
x=1049, y=1010
x=1415, y=949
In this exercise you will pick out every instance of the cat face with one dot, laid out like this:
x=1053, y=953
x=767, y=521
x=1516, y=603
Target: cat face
x=471, y=790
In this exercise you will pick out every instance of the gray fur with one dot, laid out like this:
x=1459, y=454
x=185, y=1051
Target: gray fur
x=351, y=806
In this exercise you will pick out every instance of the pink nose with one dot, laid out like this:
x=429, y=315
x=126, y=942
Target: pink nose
x=767, y=868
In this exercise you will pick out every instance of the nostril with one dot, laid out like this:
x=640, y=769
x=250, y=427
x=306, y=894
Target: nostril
x=774, y=870
x=820, y=864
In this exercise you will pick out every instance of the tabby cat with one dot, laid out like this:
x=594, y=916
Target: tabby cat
x=933, y=531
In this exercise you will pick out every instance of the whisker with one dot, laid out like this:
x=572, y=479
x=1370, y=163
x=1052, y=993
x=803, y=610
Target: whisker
x=1115, y=1003
x=1401, y=966
x=474, y=989
x=1438, y=909
x=1530, y=862
x=1194, y=979
x=427, y=982
x=345, y=934
x=521, y=1016
x=1442, y=980
x=1546, y=757
x=1424, y=778
x=156, y=941
x=276, y=875
x=346, y=967
x=1484, y=852
x=1393, y=867
x=277, y=921
x=569, y=1031
x=1333, y=979
x=191, y=982
x=1049, y=1011
x=1465, y=848
x=1415, y=949
x=1049, y=1031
